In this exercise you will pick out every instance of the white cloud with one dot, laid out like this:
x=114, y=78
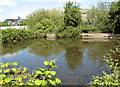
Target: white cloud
x=10, y=55
x=1, y=9
x=87, y=0
x=53, y=0
x=71, y=0
x=29, y=0
x=4, y=4
x=107, y=0
x=7, y=2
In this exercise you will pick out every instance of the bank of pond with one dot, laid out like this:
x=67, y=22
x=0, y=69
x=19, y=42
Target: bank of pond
x=78, y=59
x=11, y=35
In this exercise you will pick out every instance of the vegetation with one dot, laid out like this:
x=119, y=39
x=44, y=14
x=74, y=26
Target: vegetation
x=113, y=60
x=98, y=17
x=72, y=21
x=72, y=14
x=102, y=18
x=4, y=24
x=23, y=23
x=115, y=17
x=20, y=76
x=45, y=20
x=105, y=17
x=13, y=35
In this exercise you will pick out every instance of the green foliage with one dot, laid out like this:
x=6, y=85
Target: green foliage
x=113, y=60
x=69, y=31
x=23, y=23
x=72, y=26
x=115, y=17
x=98, y=17
x=72, y=14
x=5, y=24
x=74, y=32
x=13, y=35
x=45, y=26
x=20, y=76
x=44, y=20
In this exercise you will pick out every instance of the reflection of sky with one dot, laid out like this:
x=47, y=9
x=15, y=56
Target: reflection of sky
x=10, y=55
x=89, y=64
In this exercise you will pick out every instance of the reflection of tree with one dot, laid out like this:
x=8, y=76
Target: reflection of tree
x=45, y=48
x=74, y=49
x=73, y=56
x=15, y=47
x=96, y=50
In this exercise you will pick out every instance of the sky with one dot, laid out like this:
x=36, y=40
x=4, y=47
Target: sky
x=13, y=8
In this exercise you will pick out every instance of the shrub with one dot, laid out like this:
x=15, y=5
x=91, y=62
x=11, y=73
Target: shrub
x=10, y=35
x=88, y=29
x=69, y=31
x=44, y=19
x=20, y=76
x=5, y=24
x=45, y=26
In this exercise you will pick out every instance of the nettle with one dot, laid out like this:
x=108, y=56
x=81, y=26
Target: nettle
x=20, y=76
x=113, y=61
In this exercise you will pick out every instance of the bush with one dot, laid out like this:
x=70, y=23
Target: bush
x=5, y=24
x=88, y=29
x=20, y=76
x=69, y=31
x=13, y=35
x=45, y=26
x=113, y=60
x=45, y=20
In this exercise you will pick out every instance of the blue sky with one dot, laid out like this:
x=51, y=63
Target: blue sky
x=14, y=8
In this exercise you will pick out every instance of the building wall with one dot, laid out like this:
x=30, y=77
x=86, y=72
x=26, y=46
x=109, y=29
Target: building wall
x=17, y=27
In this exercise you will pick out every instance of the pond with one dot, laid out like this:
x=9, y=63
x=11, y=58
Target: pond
x=78, y=59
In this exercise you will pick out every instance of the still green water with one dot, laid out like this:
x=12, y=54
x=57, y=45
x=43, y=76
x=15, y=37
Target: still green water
x=78, y=59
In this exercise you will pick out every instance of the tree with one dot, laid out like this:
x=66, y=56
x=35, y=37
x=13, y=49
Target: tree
x=72, y=14
x=115, y=17
x=37, y=19
x=72, y=21
x=98, y=17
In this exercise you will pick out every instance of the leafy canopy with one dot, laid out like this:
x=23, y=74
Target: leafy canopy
x=72, y=14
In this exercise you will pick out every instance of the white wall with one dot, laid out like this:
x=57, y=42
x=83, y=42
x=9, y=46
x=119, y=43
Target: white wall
x=17, y=27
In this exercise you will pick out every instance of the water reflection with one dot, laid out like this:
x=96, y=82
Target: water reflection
x=74, y=52
x=45, y=48
x=77, y=61
x=10, y=48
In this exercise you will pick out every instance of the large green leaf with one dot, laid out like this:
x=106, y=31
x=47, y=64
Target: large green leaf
x=38, y=82
x=46, y=63
x=7, y=79
x=57, y=80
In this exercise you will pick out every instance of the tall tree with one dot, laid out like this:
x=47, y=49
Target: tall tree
x=98, y=17
x=115, y=17
x=72, y=14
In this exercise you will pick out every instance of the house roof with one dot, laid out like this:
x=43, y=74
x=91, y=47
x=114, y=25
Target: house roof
x=12, y=20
